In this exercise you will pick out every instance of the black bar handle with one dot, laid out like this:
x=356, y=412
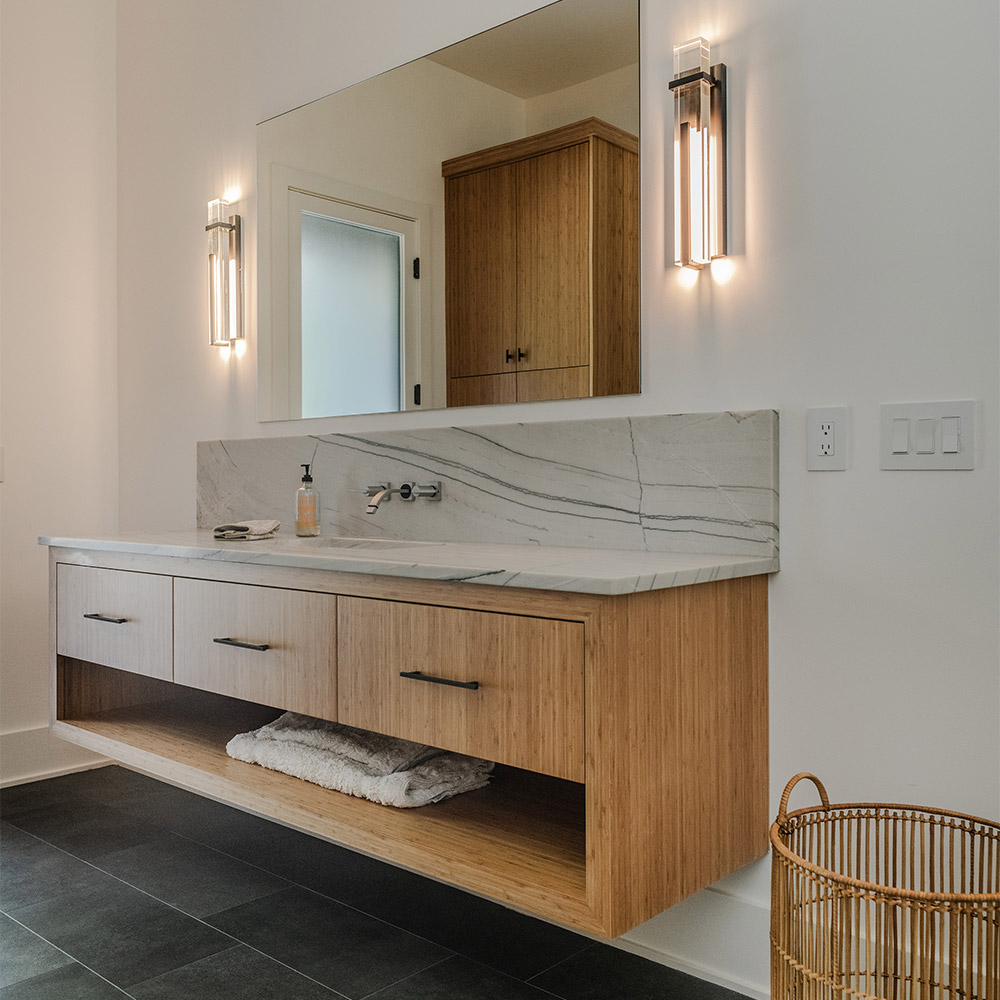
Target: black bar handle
x=107, y=618
x=259, y=646
x=416, y=675
x=509, y=356
x=521, y=355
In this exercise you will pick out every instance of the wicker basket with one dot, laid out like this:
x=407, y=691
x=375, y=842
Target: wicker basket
x=884, y=901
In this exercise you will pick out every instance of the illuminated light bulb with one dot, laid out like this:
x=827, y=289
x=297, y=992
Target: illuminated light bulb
x=699, y=156
x=723, y=269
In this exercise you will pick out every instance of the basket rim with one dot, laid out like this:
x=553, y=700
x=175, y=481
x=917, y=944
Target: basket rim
x=916, y=894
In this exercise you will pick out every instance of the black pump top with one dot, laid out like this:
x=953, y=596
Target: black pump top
x=307, y=478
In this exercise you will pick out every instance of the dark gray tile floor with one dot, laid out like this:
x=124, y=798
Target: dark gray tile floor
x=115, y=885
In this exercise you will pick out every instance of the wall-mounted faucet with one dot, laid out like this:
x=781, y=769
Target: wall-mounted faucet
x=406, y=491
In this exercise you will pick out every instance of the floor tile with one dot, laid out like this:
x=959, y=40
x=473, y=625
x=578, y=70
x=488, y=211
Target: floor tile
x=486, y=932
x=25, y=954
x=16, y=799
x=605, y=973
x=317, y=864
x=459, y=979
x=120, y=932
x=237, y=974
x=193, y=878
x=71, y=982
x=83, y=828
x=31, y=870
x=346, y=950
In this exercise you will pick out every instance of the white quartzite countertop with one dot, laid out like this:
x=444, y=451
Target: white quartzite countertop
x=539, y=567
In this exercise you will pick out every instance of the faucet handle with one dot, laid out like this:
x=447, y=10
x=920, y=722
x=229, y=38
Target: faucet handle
x=370, y=491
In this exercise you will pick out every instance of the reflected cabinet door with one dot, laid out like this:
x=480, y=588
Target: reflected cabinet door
x=481, y=254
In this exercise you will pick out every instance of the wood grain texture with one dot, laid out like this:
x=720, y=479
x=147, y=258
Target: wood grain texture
x=141, y=643
x=677, y=745
x=615, y=249
x=297, y=672
x=478, y=390
x=521, y=840
x=527, y=710
x=553, y=383
x=543, y=142
x=480, y=255
x=84, y=688
x=553, y=259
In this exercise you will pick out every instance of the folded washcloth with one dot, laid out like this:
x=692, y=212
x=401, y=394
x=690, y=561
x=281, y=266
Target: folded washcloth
x=389, y=771
x=249, y=530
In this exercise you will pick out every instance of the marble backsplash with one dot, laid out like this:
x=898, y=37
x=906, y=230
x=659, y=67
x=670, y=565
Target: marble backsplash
x=705, y=482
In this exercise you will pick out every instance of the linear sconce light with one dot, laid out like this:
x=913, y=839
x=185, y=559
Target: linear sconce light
x=225, y=275
x=700, y=216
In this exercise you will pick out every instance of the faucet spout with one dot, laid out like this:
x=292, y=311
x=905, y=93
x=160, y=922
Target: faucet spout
x=377, y=498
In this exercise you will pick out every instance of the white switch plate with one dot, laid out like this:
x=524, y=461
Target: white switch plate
x=827, y=432
x=926, y=450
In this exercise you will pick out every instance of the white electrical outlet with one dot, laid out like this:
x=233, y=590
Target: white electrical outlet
x=826, y=439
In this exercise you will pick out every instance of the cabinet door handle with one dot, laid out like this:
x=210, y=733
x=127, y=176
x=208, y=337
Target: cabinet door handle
x=107, y=618
x=509, y=355
x=416, y=675
x=259, y=646
x=521, y=355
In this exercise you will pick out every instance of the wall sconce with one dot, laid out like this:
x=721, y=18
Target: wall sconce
x=225, y=275
x=700, y=216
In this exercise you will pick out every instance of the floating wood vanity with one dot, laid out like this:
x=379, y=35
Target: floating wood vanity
x=630, y=729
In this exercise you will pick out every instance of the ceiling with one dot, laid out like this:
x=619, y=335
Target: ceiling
x=555, y=47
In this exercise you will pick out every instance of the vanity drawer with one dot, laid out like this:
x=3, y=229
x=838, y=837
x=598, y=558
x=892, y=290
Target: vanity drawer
x=115, y=618
x=527, y=709
x=296, y=669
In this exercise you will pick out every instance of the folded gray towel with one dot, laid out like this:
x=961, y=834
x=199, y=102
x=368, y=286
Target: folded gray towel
x=389, y=771
x=246, y=530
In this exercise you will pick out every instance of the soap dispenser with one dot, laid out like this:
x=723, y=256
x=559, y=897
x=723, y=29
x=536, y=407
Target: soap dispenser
x=306, y=507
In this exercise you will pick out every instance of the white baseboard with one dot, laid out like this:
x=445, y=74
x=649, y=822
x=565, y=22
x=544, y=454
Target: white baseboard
x=33, y=754
x=713, y=935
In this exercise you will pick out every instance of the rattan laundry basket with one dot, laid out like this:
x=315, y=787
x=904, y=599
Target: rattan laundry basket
x=884, y=901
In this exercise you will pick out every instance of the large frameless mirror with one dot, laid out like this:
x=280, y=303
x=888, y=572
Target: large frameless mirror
x=460, y=230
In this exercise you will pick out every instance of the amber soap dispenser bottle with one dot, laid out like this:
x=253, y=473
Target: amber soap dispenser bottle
x=306, y=507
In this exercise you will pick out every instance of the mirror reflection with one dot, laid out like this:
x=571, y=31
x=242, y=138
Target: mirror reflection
x=460, y=230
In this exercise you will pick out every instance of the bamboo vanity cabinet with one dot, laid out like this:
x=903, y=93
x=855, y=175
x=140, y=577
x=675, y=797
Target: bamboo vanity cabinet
x=630, y=731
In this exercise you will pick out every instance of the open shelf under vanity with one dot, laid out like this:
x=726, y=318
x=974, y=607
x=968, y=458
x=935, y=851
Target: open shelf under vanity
x=524, y=828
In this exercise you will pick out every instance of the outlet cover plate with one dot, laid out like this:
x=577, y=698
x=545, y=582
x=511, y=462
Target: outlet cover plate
x=827, y=433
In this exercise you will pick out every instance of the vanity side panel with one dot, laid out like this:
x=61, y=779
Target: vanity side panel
x=677, y=753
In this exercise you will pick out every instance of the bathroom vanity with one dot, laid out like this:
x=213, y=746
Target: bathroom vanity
x=623, y=695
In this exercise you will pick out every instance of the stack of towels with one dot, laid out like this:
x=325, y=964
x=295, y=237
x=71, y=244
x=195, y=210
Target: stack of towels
x=386, y=770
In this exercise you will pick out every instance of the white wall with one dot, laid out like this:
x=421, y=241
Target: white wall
x=58, y=404
x=866, y=262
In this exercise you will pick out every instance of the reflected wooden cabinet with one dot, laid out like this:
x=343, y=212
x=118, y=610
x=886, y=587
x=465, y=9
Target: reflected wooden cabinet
x=542, y=278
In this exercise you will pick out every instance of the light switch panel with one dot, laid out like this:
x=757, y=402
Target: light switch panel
x=928, y=435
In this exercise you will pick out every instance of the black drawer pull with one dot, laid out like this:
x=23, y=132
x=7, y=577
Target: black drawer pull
x=107, y=618
x=416, y=675
x=259, y=646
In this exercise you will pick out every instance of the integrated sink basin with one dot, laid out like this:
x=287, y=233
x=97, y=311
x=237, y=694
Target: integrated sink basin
x=320, y=542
